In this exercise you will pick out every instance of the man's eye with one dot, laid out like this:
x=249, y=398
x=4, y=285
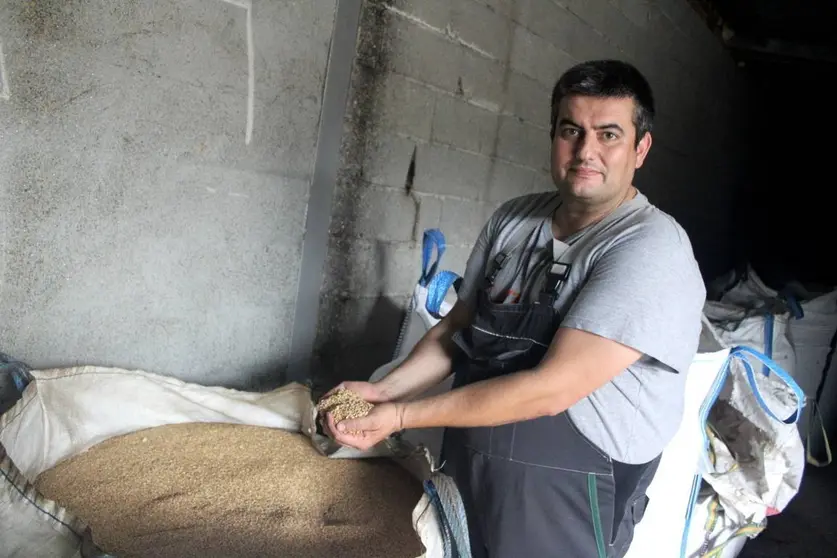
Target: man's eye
x=569, y=132
x=609, y=136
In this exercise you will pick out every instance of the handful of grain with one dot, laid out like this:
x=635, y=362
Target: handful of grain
x=234, y=491
x=344, y=404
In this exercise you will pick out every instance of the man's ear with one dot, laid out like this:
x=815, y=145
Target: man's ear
x=642, y=149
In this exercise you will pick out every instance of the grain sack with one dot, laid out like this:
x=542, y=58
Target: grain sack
x=220, y=490
x=64, y=413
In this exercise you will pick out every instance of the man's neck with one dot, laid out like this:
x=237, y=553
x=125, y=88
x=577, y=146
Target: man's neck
x=574, y=215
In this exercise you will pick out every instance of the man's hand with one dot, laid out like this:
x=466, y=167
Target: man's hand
x=365, y=433
x=371, y=392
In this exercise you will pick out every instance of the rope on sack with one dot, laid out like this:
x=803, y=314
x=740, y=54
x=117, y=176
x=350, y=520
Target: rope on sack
x=405, y=324
x=445, y=498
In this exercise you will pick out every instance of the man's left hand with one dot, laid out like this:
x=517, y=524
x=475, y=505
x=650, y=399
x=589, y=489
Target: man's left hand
x=364, y=433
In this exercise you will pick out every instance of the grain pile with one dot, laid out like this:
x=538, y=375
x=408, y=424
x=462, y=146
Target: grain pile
x=233, y=491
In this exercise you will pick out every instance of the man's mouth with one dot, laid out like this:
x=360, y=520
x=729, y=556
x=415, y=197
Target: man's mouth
x=584, y=172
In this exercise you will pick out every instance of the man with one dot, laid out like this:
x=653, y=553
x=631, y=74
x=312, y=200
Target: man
x=577, y=319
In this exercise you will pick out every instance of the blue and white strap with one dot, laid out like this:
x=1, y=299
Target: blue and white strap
x=438, y=289
x=432, y=239
x=741, y=353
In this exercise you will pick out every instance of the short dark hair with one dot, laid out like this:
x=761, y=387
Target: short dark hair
x=607, y=78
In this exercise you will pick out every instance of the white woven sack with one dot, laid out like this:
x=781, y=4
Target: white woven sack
x=66, y=411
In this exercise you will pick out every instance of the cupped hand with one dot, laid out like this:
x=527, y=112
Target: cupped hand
x=366, y=432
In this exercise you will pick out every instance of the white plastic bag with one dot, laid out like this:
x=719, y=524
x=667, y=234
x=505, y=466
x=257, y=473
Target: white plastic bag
x=753, y=457
x=807, y=323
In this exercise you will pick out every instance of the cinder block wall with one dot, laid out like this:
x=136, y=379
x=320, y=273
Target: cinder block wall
x=449, y=117
x=137, y=228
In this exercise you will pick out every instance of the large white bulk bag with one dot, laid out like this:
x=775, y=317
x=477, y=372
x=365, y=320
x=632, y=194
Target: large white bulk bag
x=433, y=297
x=63, y=412
x=805, y=320
x=752, y=456
x=660, y=533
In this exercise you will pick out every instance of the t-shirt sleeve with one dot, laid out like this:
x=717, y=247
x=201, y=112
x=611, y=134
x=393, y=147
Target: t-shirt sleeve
x=645, y=291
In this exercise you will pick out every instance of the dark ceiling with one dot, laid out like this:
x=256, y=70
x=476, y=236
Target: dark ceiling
x=776, y=30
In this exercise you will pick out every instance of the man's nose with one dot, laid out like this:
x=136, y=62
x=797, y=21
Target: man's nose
x=586, y=147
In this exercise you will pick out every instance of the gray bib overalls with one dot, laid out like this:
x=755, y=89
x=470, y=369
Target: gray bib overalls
x=537, y=488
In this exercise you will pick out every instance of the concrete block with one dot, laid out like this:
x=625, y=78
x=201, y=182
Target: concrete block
x=548, y=20
x=404, y=107
x=367, y=211
x=678, y=11
x=479, y=79
x=387, y=160
x=524, y=144
x=537, y=58
x=442, y=170
x=507, y=181
x=292, y=42
x=587, y=44
x=592, y=12
x=543, y=182
x=463, y=220
x=507, y=8
x=637, y=11
x=368, y=268
x=149, y=105
x=528, y=99
x=178, y=269
x=432, y=13
x=356, y=323
x=417, y=52
x=620, y=31
x=465, y=126
x=483, y=28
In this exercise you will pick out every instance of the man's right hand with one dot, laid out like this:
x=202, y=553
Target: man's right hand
x=373, y=393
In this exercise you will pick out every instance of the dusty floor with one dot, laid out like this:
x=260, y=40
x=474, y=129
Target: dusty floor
x=808, y=526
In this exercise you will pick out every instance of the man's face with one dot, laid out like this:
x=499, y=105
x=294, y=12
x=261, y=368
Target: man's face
x=594, y=152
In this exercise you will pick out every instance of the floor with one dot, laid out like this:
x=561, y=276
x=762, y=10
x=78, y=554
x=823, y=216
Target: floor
x=807, y=528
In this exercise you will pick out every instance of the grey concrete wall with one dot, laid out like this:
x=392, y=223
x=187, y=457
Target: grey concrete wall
x=461, y=87
x=137, y=228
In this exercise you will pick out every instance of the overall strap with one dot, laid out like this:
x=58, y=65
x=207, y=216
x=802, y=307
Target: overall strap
x=513, y=243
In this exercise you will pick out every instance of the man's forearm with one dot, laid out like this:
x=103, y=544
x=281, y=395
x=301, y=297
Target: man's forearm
x=427, y=364
x=516, y=397
x=577, y=363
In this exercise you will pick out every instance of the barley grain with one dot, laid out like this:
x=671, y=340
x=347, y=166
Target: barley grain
x=234, y=491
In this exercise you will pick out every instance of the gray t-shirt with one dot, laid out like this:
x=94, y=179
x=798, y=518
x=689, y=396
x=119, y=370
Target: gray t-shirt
x=633, y=278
